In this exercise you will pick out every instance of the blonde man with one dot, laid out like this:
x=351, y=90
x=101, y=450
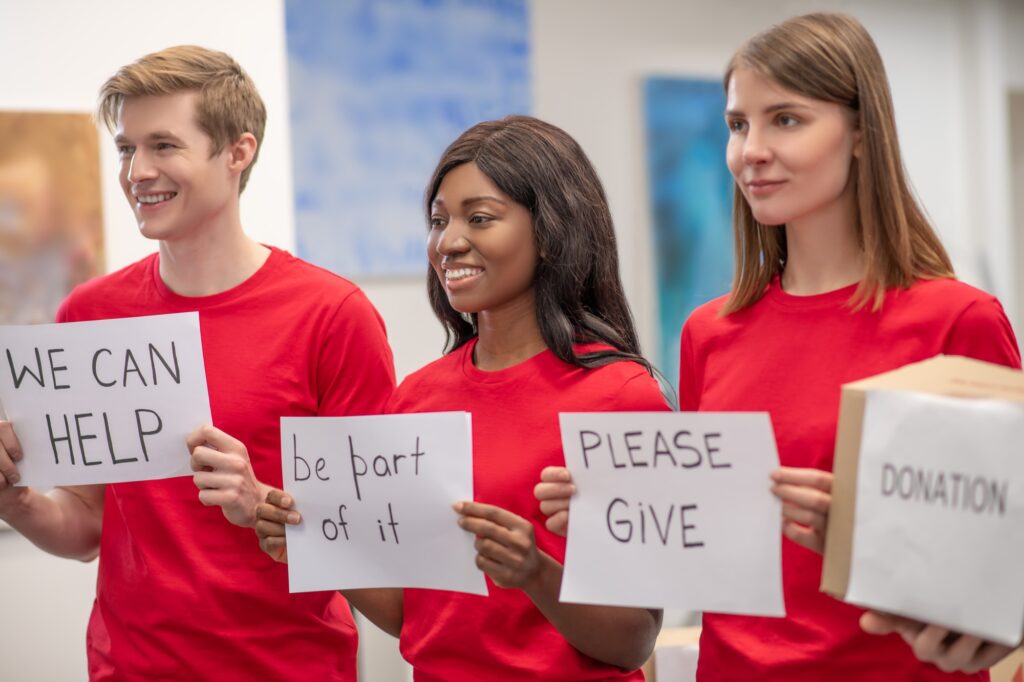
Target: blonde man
x=182, y=593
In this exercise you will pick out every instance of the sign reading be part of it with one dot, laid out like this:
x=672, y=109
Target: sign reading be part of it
x=376, y=495
x=673, y=510
x=106, y=401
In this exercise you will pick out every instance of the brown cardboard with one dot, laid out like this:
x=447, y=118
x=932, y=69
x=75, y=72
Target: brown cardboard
x=1010, y=669
x=943, y=375
x=669, y=638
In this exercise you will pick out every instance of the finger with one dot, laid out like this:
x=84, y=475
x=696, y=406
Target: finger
x=487, y=529
x=8, y=469
x=9, y=441
x=805, y=517
x=558, y=523
x=491, y=513
x=928, y=644
x=549, y=507
x=959, y=654
x=555, y=475
x=496, y=552
x=218, y=498
x=554, y=491
x=989, y=654
x=803, y=536
x=213, y=437
x=276, y=547
x=274, y=514
x=813, y=478
x=269, y=529
x=280, y=498
x=879, y=623
x=803, y=496
x=498, y=573
x=213, y=480
x=228, y=461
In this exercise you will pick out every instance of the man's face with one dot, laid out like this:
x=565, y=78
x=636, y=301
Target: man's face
x=174, y=185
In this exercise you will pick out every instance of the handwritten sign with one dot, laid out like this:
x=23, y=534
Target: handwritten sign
x=673, y=510
x=939, y=526
x=106, y=401
x=376, y=497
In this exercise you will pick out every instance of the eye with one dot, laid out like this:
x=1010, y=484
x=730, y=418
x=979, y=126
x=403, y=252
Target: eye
x=437, y=222
x=480, y=219
x=787, y=121
x=736, y=125
x=163, y=146
x=125, y=150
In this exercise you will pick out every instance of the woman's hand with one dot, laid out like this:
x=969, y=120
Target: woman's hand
x=271, y=518
x=950, y=651
x=553, y=491
x=806, y=496
x=505, y=544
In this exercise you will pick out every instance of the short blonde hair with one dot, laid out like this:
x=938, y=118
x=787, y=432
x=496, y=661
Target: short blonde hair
x=227, y=105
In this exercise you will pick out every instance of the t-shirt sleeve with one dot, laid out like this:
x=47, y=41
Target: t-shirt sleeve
x=356, y=371
x=640, y=393
x=983, y=332
x=689, y=391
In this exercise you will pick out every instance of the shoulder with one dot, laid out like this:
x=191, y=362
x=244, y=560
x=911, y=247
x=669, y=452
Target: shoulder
x=945, y=294
x=295, y=272
x=99, y=296
x=435, y=376
x=620, y=385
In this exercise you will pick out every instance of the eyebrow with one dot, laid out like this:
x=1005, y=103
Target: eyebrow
x=473, y=200
x=772, y=109
x=154, y=136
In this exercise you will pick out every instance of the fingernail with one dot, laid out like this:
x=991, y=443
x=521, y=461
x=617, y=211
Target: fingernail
x=294, y=517
x=457, y=506
x=286, y=501
x=14, y=478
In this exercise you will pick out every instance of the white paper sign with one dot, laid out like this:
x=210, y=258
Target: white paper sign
x=106, y=401
x=673, y=510
x=376, y=497
x=939, y=527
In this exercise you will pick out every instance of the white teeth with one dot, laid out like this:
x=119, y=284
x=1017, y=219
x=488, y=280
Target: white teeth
x=155, y=198
x=461, y=273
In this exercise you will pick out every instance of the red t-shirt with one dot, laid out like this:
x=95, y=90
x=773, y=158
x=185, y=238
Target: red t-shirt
x=183, y=594
x=789, y=355
x=451, y=636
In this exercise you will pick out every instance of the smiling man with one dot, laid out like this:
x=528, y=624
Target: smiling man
x=182, y=593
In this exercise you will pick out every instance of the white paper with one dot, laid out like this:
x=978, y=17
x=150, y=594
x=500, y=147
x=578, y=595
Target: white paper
x=710, y=534
x=676, y=663
x=119, y=397
x=939, y=527
x=376, y=497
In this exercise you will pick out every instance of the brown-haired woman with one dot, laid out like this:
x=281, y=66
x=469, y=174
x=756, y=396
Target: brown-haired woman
x=838, y=276
x=524, y=277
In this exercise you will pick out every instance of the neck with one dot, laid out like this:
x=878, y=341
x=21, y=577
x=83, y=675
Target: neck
x=508, y=336
x=210, y=260
x=822, y=251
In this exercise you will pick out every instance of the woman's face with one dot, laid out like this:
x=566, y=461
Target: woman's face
x=481, y=243
x=790, y=154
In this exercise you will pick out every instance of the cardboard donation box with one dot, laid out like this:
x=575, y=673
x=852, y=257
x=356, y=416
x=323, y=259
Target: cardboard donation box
x=927, y=517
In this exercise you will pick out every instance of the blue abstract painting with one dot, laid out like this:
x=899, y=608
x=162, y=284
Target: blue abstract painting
x=378, y=89
x=691, y=200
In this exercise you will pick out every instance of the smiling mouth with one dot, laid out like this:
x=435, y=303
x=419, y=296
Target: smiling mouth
x=150, y=199
x=460, y=274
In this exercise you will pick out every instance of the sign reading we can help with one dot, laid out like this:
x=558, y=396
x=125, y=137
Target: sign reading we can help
x=939, y=525
x=673, y=510
x=106, y=401
x=376, y=495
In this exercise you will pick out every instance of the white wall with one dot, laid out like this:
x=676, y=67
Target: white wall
x=948, y=61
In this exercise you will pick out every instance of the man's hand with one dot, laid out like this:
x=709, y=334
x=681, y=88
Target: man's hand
x=224, y=475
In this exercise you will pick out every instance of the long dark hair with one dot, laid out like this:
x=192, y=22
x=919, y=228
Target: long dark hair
x=576, y=283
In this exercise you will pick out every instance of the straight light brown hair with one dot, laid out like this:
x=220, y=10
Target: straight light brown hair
x=227, y=105
x=831, y=57
x=578, y=289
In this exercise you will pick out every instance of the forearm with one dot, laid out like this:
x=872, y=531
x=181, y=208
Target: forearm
x=620, y=636
x=381, y=606
x=64, y=522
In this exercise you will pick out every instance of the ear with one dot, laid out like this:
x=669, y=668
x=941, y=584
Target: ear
x=242, y=152
x=858, y=143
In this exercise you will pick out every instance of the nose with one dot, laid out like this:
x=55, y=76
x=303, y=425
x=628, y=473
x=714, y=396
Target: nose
x=755, y=148
x=452, y=239
x=140, y=168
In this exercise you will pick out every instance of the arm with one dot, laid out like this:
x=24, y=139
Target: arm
x=383, y=607
x=507, y=552
x=66, y=522
x=949, y=651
